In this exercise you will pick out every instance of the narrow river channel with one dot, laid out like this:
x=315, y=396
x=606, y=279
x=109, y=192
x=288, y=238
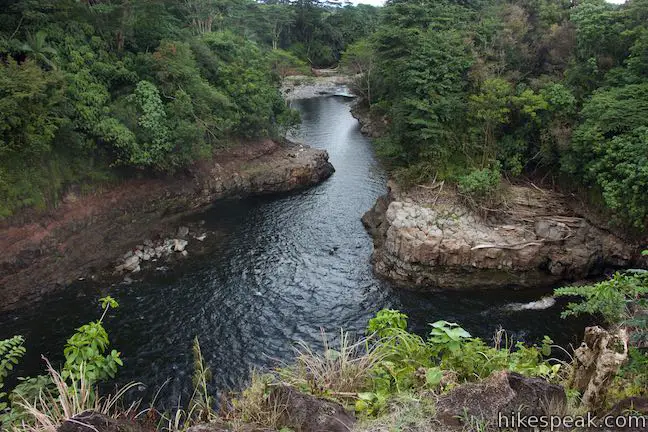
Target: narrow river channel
x=283, y=268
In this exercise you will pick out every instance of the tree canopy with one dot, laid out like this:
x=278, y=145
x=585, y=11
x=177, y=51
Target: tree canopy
x=95, y=89
x=539, y=88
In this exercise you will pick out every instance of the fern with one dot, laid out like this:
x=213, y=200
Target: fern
x=11, y=351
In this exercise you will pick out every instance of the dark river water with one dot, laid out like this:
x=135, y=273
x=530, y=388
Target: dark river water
x=283, y=268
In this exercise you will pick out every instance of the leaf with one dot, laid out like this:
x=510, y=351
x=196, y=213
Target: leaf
x=458, y=333
x=366, y=396
x=433, y=376
x=361, y=406
x=108, y=301
x=441, y=324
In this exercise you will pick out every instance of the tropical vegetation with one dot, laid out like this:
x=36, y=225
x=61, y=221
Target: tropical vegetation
x=95, y=91
x=552, y=91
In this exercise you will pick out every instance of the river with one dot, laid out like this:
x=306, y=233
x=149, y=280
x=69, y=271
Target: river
x=282, y=269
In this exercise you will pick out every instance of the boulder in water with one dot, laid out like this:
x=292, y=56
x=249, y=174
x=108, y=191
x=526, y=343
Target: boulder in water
x=131, y=263
x=183, y=232
x=179, y=245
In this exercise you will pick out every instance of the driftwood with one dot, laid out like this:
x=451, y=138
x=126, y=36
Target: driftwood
x=516, y=246
x=596, y=362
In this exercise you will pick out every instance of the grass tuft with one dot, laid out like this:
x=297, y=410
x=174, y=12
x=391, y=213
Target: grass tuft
x=53, y=407
x=340, y=371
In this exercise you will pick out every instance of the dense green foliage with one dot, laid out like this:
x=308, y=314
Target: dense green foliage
x=94, y=89
x=449, y=355
x=614, y=299
x=471, y=90
x=537, y=88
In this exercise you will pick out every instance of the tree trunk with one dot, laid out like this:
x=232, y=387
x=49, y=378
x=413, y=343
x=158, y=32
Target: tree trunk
x=595, y=364
x=368, y=74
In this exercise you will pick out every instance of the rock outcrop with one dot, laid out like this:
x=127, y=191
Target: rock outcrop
x=304, y=87
x=42, y=252
x=91, y=421
x=371, y=125
x=427, y=238
x=501, y=394
x=302, y=412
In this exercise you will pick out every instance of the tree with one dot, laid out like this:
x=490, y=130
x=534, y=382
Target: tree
x=609, y=149
x=203, y=13
x=490, y=108
x=280, y=17
x=36, y=47
x=360, y=58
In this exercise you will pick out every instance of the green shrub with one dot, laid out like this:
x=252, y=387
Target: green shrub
x=481, y=184
x=611, y=298
x=410, y=363
x=632, y=379
x=85, y=352
x=385, y=322
x=41, y=398
x=284, y=63
x=610, y=150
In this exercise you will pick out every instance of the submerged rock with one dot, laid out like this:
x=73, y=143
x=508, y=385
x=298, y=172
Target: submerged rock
x=428, y=239
x=131, y=263
x=183, y=232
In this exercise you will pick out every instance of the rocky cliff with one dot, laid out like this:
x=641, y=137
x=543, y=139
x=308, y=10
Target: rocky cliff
x=427, y=238
x=85, y=234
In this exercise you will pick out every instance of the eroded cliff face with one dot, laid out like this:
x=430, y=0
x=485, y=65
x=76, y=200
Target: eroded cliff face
x=86, y=234
x=428, y=239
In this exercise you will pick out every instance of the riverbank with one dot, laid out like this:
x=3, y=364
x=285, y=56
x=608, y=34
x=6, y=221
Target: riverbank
x=85, y=235
x=427, y=238
x=305, y=87
x=371, y=125
x=395, y=380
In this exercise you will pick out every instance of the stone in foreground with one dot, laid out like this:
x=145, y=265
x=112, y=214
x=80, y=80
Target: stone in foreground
x=503, y=392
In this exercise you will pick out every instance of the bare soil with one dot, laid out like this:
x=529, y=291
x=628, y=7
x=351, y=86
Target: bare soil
x=84, y=235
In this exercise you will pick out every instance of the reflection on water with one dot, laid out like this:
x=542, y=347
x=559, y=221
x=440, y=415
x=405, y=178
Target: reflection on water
x=284, y=268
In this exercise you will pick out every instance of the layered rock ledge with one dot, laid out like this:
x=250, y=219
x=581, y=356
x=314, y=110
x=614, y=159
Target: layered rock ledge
x=428, y=238
x=86, y=234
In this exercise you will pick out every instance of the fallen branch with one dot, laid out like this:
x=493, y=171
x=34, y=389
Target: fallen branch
x=438, y=193
x=430, y=187
x=516, y=246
